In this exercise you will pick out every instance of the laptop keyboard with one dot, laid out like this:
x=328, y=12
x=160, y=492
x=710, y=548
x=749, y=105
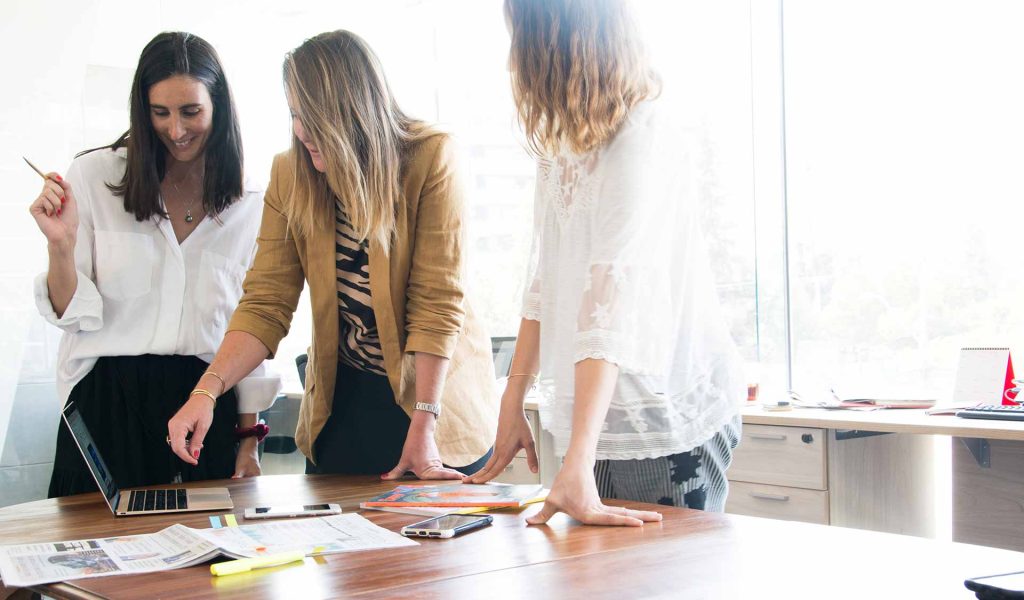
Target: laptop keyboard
x=169, y=499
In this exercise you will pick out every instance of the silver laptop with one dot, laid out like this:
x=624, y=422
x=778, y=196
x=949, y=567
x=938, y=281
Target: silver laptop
x=139, y=502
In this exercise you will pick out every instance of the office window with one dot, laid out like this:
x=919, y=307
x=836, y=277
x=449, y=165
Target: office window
x=904, y=138
x=702, y=51
x=447, y=62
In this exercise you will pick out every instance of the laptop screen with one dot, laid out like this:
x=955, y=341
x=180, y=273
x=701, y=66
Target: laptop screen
x=90, y=453
x=503, y=348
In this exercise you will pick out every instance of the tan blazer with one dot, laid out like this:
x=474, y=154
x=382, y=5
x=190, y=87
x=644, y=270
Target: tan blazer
x=418, y=301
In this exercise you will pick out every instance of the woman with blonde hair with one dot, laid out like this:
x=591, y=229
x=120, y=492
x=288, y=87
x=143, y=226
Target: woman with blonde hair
x=640, y=379
x=366, y=209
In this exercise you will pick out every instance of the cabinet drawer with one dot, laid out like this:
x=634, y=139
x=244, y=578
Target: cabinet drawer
x=787, y=456
x=777, y=502
x=533, y=417
x=518, y=471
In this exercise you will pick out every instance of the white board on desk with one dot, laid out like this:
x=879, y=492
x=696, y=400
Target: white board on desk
x=981, y=376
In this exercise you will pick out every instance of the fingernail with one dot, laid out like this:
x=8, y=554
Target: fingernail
x=59, y=178
x=383, y=475
x=59, y=210
x=195, y=454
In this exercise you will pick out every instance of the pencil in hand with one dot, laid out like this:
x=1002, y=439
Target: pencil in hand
x=54, y=178
x=35, y=168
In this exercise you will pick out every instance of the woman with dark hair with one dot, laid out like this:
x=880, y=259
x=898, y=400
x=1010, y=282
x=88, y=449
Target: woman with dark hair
x=640, y=380
x=148, y=241
x=365, y=207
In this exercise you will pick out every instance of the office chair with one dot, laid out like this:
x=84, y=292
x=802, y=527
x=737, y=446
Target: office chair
x=300, y=364
x=283, y=442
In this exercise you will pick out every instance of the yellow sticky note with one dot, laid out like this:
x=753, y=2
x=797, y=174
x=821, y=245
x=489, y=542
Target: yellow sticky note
x=230, y=520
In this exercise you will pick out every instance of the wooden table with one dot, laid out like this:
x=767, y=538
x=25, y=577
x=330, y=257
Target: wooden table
x=691, y=554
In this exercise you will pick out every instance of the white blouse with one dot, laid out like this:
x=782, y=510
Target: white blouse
x=619, y=272
x=140, y=292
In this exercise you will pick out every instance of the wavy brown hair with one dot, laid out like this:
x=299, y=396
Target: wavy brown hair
x=577, y=67
x=342, y=98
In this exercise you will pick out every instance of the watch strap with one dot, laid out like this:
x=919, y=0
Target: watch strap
x=430, y=408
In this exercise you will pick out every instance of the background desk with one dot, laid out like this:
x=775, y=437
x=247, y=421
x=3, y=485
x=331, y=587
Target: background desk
x=690, y=554
x=847, y=476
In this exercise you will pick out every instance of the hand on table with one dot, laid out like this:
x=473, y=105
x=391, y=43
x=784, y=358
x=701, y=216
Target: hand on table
x=514, y=434
x=420, y=455
x=574, y=492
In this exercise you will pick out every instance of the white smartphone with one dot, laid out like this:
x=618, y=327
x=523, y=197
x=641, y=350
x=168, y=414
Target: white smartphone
x=292, y=510
x=446, y=526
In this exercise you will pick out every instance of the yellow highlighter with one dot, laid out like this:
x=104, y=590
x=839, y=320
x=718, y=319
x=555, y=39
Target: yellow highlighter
x=242, y=565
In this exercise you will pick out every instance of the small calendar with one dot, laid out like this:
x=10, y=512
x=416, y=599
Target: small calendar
x=983, y=376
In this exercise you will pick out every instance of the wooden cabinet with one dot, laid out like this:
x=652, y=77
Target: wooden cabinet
x=849, y=478
x=786, y=456
x=988, y=496
x=778, y=502
x=781, y=473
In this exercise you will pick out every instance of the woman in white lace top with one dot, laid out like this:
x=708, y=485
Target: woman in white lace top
x=641, y=382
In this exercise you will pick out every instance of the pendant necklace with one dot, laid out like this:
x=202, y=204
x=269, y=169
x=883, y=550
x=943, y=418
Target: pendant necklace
x=188, y=207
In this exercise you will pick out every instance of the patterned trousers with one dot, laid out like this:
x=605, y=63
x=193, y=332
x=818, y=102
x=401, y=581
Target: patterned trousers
x=694, y=479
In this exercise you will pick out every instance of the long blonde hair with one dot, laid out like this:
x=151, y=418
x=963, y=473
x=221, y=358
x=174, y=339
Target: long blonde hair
x=342, y=98
x=577, y=67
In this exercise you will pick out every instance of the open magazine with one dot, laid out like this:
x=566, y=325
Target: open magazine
x=488, y=495
x=438, y=511
x=832, y=400
x=179, y=546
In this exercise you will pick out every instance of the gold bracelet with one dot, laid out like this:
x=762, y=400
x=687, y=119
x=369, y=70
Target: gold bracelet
x=206, y=393
x=223, y=384
x=536, y=376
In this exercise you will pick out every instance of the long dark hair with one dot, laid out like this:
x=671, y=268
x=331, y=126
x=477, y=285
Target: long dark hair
x=166, y=55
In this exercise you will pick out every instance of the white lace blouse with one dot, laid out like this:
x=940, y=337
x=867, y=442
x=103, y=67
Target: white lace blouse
x=619, y=272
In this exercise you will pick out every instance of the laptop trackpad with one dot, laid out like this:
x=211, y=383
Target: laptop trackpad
x=213, y=497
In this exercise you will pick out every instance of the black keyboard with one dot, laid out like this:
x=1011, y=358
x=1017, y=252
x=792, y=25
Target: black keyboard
x=172, y=499
x=1005, y=413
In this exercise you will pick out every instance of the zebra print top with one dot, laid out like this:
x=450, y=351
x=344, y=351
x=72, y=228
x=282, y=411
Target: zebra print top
x=358, y=343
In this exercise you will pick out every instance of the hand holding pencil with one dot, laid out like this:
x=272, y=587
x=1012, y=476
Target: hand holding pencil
x=55, y=210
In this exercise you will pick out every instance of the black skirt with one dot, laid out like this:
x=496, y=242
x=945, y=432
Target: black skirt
x=365, y=433
x=366, y=430
x=126, y=402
